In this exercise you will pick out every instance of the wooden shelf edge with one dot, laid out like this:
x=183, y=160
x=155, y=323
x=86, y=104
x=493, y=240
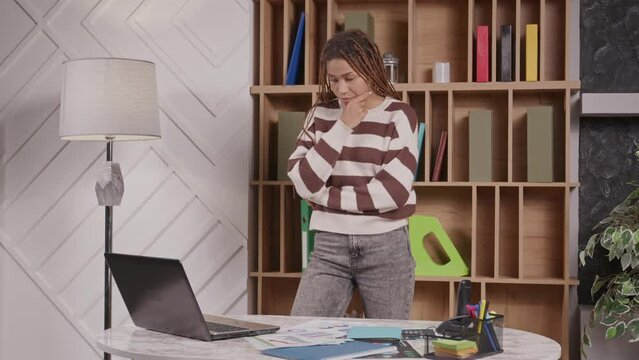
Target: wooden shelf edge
x=258, y=274
x=455, y=86
x=444, y=183
x=487, y=280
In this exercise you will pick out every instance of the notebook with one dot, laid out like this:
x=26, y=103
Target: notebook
x=159, y=297
x=347, y=350
x=375, y=332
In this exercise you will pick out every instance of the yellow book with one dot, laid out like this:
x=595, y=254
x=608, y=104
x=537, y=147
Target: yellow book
x=532, y=52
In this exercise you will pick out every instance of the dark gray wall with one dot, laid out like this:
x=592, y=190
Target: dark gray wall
x=609, y=63
x=606, y=165
x=609, y=45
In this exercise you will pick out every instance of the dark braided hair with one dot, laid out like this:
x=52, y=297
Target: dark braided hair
x=363, y=56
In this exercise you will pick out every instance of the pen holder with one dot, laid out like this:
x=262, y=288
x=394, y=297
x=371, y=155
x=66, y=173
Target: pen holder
x=489, y=339
x=488, y=334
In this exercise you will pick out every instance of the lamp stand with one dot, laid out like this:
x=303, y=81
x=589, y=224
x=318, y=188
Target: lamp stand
x=108, y=247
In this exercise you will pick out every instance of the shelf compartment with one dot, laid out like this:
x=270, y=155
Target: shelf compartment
x=553, y=40
x=463, y=102
x=417, y=100
x=278, y=295
x=269, y=228
x=315, y=37
x=252, y=240
x=522, y=100
x=438, y=103
x=505, y=15
x=475, y=295
x=542, y=252
x=274, y=103
x=432, y=18
x=452, y=206
x=484, y=258
x=391, y=26
x=291, y=224
x=535, y=308
x=529, y=14
x=293, y=9
x=508, y=236
x=482, y=15
x=432, y=301
x=271, y=42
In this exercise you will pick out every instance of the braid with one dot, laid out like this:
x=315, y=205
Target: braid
x=363, y=56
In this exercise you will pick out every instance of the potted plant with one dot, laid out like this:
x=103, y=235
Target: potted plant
x=618, y=306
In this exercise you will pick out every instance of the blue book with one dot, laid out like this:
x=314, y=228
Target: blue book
x=296, y=55
x=421, y=132
x=375, y=332
x=347, y=350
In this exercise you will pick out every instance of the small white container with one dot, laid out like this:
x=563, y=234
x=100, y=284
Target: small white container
x=441, y=72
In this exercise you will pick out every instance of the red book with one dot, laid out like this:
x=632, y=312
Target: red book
x=482, y=54
x=440, y=156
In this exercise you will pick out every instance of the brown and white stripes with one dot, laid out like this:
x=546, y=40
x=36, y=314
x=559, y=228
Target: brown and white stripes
x=359, y=181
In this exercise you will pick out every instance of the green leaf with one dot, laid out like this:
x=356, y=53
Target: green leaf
x=597, y=314
x=621, y=328
x=625, y=261
x=626, y=237
x=619, y=308
x=633, y=329
x=611, y=333
x=616, y=236
x=582, y=258
x=586, y=339
x=596, y=285
x=634, y=261
x=636, y=238
x=628, y=288
x=609, y=320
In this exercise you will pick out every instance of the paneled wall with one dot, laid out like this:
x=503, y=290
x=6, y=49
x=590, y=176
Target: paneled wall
x=186, y=195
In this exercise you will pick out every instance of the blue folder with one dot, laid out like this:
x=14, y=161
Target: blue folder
x=347, y=350
x=296, y=54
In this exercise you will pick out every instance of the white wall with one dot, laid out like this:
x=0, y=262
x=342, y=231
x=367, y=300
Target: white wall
x=186, y=194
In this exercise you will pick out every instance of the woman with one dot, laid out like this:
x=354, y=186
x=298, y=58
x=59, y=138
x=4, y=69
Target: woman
x=355, y=162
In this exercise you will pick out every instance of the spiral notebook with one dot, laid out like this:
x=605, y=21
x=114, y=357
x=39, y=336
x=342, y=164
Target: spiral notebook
x=347, y=350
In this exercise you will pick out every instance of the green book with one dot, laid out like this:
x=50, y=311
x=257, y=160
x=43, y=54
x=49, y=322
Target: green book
x=289, y=126
x=539, y=144
x=360, y=20
x=480, y=145
x=308, y=235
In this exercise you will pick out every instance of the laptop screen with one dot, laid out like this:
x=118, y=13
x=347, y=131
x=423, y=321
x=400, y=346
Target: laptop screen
x=158, y=295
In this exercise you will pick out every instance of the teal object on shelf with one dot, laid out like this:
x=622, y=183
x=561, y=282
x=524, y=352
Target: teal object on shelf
x=420, y=226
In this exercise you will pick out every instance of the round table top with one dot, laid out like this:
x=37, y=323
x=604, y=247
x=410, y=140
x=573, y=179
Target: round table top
x=140, y=344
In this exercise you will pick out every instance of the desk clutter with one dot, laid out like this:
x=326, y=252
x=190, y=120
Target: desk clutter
x=477, y=334
x=480, y=335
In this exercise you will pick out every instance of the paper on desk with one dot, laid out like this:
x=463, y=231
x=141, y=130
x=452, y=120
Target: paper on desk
x=313, y=332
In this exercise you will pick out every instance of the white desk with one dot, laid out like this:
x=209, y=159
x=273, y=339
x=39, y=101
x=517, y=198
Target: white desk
x=139, y=344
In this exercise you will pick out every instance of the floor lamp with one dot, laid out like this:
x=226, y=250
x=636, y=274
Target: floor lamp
x=109, y=99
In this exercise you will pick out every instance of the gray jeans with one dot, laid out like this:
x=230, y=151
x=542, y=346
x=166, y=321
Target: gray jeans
x=380, y=266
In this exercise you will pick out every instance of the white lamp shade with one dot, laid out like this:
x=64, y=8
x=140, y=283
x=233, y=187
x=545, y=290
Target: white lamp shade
x=109, y=99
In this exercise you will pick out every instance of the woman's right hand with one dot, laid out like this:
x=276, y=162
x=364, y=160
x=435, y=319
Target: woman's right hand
x=355, y=110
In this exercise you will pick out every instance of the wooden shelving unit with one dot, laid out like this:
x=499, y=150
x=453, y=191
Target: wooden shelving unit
x=513, y=234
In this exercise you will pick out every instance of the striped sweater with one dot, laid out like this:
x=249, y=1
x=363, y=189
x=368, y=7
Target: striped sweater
x=360, y=180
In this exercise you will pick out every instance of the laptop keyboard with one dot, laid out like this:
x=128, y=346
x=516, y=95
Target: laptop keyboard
x=217, y=327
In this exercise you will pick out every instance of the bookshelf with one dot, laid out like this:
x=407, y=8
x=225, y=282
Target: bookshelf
x=513, y=234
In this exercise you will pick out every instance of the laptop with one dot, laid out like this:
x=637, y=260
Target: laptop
x=159, y=297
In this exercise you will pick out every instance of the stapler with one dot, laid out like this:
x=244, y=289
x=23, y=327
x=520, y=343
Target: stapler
x=457, y=326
